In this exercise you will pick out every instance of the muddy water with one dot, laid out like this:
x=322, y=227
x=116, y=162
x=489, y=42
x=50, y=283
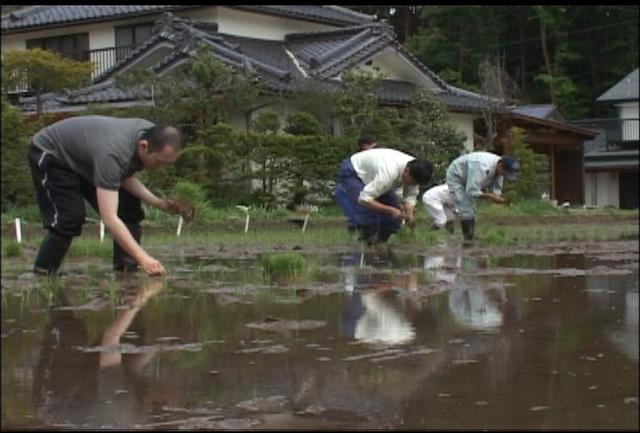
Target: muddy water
x=363, y=340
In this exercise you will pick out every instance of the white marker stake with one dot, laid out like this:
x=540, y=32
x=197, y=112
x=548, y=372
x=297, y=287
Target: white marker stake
x=101, y=231
x=306, y=220
x=180, y=221
x=18, y=231
x=245, y=209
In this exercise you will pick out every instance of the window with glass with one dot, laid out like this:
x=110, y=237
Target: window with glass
x=128, y=37
x=75, y=46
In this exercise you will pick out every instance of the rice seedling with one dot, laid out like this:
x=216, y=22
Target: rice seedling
x=114, y=293
x=284, y=265
x=51, y=289
x=12, y=249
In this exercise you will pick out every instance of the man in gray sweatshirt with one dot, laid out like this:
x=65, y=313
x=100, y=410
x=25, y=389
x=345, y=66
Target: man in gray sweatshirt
x=96, y=158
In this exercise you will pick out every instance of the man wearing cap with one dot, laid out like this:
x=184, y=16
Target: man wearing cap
x=478, y=175
x=367, y=190
x=96, y=158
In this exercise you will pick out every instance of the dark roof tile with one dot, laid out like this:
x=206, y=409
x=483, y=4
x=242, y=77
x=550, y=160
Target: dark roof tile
x=48, y=15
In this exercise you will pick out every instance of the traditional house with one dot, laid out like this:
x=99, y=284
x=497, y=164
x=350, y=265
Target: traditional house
x=288, y=46
x=611, y=158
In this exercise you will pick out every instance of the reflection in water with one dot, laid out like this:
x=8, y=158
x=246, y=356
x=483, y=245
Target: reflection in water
x=86, y=390
x=373, y=313
x=475, y=309
x=627, y=337
x=570, y=342
x=620, y=294
x=441, y=268
x=373, y=318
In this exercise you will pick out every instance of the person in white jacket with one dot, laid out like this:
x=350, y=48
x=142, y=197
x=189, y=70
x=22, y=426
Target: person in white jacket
x=439, y=204
x=367, y=186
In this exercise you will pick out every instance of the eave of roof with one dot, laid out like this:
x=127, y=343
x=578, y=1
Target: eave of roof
x=324, y=14
x=624, y=90
x=588, y=133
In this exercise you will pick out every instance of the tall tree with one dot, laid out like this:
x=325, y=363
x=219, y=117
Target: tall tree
x=565, y=54
x=499, y=90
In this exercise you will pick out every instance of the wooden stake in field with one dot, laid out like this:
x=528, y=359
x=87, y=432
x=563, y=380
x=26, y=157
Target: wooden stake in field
x=18, y=231
x=245, y=209
x=307, y=211
x=101, y=231
x=180, y=221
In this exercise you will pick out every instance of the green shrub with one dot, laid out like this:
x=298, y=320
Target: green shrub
x=534, y=177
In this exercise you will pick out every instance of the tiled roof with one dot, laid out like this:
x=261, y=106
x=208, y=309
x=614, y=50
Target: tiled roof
x=326, y=54
x=464, y=100
x=541, y=111
x=325, y=13
x=625, y=90
x=299, y=62
x=185, y=36
x=49, y=15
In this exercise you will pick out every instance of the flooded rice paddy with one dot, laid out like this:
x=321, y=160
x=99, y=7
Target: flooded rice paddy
x=361, y=340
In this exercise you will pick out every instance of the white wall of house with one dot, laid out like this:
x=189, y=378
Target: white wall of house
x=395, y=66
x=254, y=25
x=13, y=42
x=101, y=35
x=463, y=123
x=602, y=189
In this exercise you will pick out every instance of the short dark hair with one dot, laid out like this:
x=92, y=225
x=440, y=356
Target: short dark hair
x=162, y=135
x=420, y=170
x=365, y=139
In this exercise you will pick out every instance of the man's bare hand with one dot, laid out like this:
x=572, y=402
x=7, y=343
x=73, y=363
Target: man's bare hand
x=396, y=213
x=153, y=267
x=501, y=200
x=181, y=207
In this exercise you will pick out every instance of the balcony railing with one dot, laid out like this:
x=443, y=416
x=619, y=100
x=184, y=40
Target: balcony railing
x=105, y=58
x=619, y=134
x=102, y=58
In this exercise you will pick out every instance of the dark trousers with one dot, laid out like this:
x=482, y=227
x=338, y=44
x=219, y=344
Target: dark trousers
x=61, y=193
x=346, y=193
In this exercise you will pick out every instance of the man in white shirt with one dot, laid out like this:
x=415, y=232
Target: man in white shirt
x=478, y=175
x=439, y=204
x=366, y=190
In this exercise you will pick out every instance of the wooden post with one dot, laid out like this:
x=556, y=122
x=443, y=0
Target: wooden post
x=306, y=220
x=245, y=209
x=18, y=231
x=553, y=174
x=180, y=221
x=101, y=231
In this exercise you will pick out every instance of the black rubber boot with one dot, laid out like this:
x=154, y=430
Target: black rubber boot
x=384, y=235
x=468, y=229
x=369, y=234
x=122, y=261
x=52, y=251
x=450, y=227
